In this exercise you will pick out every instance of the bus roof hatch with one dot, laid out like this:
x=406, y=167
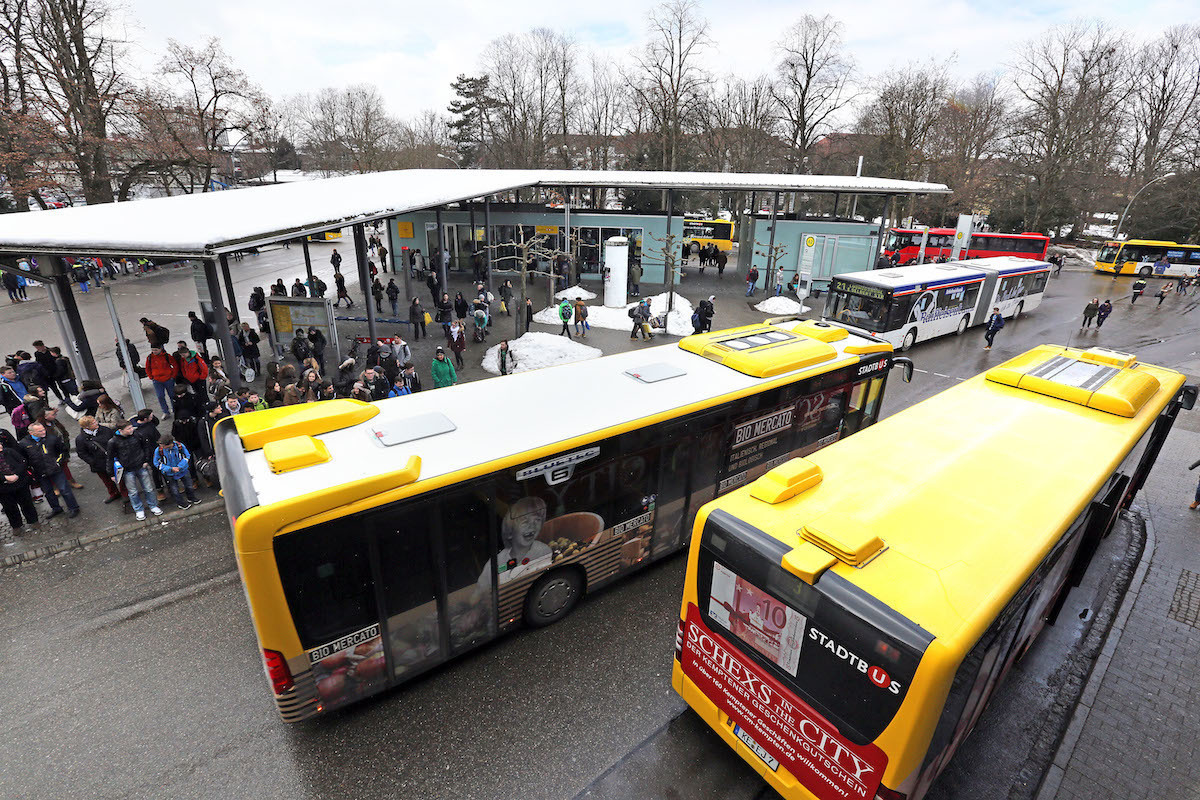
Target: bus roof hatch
x=1102, y=379
x=761, y=351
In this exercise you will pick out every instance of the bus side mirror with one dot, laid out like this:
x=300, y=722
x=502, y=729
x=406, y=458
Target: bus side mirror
x=907, y=364
x=1187, y=396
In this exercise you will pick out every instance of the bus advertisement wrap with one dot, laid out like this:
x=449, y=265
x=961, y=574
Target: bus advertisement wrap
x=829, y=766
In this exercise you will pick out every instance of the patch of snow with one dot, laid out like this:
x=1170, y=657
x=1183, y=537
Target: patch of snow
x=617, y=319
x=781, y=305
x=575, y=293
x=535, y=350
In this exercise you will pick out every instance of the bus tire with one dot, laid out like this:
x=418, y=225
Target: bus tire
x=552, y=597
x=910, y=339
x=963, y=324
x=1145, y=272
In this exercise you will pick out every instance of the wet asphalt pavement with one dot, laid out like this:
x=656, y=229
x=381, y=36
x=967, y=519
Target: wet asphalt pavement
x=131, y=670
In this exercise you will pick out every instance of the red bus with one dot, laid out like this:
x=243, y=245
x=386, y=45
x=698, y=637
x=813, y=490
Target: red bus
x=982, y=245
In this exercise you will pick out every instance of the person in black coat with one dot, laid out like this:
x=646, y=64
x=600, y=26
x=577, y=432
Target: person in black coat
x=316, y=341
x=461, y=308
x=47, y=453
x=15, y=497
x=201, y=332
x=91, y=445
x=416, y=318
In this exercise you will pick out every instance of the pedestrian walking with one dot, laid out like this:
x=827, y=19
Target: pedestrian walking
x=506, y=297
x=581, y=318
x=1161, y=294
x=377, y=294
x=416, y=318
x=201, y=332
x=751, y=281
x=129, y=461
x=638, y=315
x=445, y=313
x=1139, y=286
x=461, y=307
x=47, y=454
x=383, y=254
x=722, y=261
x=1102, y=312
x=12, y=286
x=393, y=295
x=528, y=313
x=161, y=369
x=442, y=370
x=339, y=281
x=506, y=358
x=155, y=334
x=458, y=342
x=994, y=324
x=565, y=312
x=1089, y=313
x=335, y=258
x=435, y=287
x=15, y=496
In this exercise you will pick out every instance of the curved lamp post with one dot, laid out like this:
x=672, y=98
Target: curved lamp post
x=1121, y=222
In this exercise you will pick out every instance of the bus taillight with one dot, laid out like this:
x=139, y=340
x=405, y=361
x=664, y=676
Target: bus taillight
x=679, y=642
x=277, y=671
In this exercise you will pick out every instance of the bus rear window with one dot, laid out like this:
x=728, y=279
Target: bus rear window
x=841, y=651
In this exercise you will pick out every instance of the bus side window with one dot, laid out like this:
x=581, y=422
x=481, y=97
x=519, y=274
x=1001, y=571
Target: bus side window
x=408, y=571
x=326, y=577
x=864, y=405
x=467, y=551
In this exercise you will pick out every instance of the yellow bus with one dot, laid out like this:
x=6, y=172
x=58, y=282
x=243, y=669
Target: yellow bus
x=703, y=232
x=1145, y=257
x=325, y=236
x=375, y=541
x=847, y=616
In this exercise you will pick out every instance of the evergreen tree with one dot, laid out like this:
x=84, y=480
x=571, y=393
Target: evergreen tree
x=469, y=118
x=284, y=155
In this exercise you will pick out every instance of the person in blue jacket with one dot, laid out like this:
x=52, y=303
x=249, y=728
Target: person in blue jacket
x=171, y=459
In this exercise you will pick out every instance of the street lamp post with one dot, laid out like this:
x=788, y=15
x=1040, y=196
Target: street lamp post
x=451, y=160
x=1121, y=222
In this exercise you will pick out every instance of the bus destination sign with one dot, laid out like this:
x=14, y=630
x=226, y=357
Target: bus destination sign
x=874, y=292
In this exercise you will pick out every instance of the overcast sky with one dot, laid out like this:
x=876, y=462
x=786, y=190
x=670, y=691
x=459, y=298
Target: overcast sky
x=412, y=50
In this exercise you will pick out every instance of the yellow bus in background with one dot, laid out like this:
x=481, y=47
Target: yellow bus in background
x=325, y=236
x=1144, y=257
x=848, y=615
x=375, y=541
x=703, y=232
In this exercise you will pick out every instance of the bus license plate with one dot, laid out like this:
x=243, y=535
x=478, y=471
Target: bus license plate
x=757, y=750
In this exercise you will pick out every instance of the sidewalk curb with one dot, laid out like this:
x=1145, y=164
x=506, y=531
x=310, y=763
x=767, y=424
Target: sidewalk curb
x=104, y=534
x=1054, y=773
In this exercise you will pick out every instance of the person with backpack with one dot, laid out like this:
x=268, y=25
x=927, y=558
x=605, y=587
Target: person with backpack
x=393, y=295
x=994, y=324
x=1139, y=286
x=79, y=274
x=300, y=347
x=637, y=313
x=582, y=326
x=161, y=369
x=192, y=370
x=155, y=334
x=339, y=280
x=172, y=460
x=565, y=312
x=201, y=332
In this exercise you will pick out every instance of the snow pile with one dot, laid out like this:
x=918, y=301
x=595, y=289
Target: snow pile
x=575, y=293
x=535, y=350
x=781, y=305
x=617, y=319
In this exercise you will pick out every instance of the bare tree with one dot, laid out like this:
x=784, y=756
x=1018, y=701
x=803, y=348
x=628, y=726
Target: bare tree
x=739, y=131
x=1074, y=81
x=526, y=116
x=813, y=82
x=667, y=76
x=78, y=71
x=601, y=117
x=903, y=114
x=369, y=131
x=25, y=135
x=216, y=100
x=1164, y=101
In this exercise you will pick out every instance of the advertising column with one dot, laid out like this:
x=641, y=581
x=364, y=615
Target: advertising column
x=616, y=271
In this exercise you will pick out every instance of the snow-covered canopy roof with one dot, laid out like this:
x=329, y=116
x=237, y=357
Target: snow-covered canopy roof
x=205, y=225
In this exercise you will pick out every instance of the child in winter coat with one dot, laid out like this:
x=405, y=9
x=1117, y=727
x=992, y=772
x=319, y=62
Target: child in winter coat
x=171, y=459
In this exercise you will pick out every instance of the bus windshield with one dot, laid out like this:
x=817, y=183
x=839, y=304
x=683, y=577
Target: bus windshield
x=868, y=313
x=1108, y=253
x=842, y=652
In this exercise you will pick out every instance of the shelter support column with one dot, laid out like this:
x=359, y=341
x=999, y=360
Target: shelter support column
x=772, y=261
x=670, y=251
x=396, y=258
x=221, y=323
x=307, y=261
x=229, y=287
x=883, y=216
x=441, y=265
x=487, y=241
x=364, y=279
x=60, y=284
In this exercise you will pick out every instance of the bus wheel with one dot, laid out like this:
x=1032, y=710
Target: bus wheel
x=910, y=339
x=552, y=597
x=962, y=324
x=1145, y=272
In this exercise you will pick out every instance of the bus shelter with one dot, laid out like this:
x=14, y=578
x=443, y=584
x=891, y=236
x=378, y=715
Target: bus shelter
x=209, y=227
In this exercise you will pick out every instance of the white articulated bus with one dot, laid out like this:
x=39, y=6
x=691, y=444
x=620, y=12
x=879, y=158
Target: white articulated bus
x=906, y=305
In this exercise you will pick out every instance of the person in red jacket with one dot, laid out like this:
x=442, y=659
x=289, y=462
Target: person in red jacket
x=191, y=369
x=161, y=370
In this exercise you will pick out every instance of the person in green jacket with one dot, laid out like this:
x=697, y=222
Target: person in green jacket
x=443, y=370
x=565, y=312
x=508, y=359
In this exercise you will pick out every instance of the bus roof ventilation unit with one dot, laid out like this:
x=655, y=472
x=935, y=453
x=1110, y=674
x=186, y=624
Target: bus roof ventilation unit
x=1101, y=379
x=844, y=537
x=653, y=373
x=307, y=419
x=285, y=455
x=410, y=429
